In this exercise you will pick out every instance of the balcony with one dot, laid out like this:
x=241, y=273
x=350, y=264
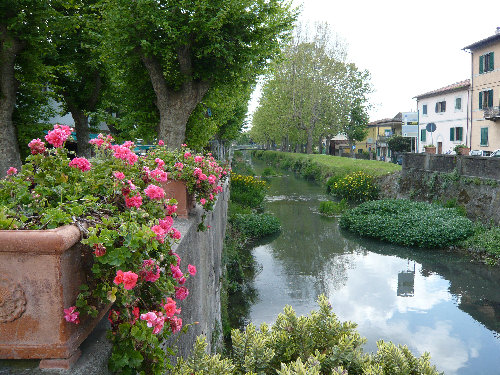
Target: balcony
x=492, y=113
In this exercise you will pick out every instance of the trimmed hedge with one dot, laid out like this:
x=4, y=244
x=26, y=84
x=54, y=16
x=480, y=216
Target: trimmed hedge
x=408, y=223
x=256, y=225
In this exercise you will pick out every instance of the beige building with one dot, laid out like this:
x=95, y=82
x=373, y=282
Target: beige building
x=485, y=97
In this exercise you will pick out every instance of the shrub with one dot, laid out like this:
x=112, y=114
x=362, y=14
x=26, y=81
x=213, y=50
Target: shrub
x=268, y=172
x=256, y=225
x=331, y=208
x=355, y=187
x=408, y=223
x=485, y=240
x=309, y=345
x=247, y=190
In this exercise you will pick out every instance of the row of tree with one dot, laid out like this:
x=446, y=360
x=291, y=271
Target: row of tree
x=165, y=68
x=312, y=93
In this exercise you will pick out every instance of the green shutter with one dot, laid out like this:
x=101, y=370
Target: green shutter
x=484, y=136
x=378, y=151
x=492, y=64
x=423, y=135
x=452, y=134
x=480, y=100
x=490, y=98
x=460, y=134
x=436, y=109
x=481, y=62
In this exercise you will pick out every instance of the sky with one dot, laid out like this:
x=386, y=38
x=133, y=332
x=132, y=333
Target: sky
x=409, y=48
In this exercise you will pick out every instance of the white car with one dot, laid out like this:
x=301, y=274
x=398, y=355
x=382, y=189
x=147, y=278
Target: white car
x=476, y=153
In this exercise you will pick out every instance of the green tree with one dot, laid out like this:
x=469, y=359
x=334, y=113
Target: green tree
x=168, y=54
x=23, y=42
x=398, y=143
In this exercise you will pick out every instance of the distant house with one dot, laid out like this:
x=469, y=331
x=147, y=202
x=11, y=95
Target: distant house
x=447, y=108
x=485, y=94
x=378, y=133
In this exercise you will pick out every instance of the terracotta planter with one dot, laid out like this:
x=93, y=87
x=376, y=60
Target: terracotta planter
x=463, y=151
x=177, y=189
x=430, y=150
x=40, y=275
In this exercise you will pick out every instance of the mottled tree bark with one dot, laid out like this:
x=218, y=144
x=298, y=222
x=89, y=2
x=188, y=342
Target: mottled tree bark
x=9, y=148
x=175, y=106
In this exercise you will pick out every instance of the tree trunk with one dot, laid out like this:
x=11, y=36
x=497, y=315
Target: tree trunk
x=82, y=133
x=328, y=145
x=351, y=150
x=320, y=145
x=175, y=107
x=9, y=147
x=309, y=143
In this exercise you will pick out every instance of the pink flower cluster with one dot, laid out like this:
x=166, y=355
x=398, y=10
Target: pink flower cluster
x=164, y=228
x=154, y=192
x=71, y=315
x=128, y=279
x=150, y=270
x=11, y=171
x=80, y=163
x=124, y=152
x=58, y=135
x=37, y=146
x=133, y=201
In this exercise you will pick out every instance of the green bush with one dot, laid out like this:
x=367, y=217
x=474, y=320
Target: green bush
x=307, y=345
x=256, y=225
x=484, y=240
x=355, y=187
x=268, y=172
x=331, y=208
x=247, y=190
x=408, y=223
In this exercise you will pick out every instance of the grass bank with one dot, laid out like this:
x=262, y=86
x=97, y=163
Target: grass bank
x=320, y=167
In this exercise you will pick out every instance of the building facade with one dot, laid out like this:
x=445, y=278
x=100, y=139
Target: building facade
x=485, y=93
x=447, y=108
x=378, y=133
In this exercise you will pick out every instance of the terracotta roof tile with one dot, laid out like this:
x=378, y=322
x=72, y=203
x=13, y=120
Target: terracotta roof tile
x=453, y=87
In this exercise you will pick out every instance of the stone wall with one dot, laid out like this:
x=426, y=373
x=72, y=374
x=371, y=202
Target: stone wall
x=202, y=249
x=473, y=182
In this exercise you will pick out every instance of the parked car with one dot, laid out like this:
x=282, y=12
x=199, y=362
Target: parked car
x=476, y=153
x=495, y=154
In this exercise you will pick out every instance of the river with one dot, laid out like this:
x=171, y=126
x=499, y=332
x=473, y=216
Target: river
x=431, y=300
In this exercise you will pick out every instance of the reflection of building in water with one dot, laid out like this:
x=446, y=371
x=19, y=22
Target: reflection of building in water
x=406, y=282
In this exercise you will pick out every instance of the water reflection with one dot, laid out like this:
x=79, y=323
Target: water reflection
x=430, y=300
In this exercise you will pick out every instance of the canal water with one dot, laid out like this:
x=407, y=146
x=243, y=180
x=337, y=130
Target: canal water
x=430, y=300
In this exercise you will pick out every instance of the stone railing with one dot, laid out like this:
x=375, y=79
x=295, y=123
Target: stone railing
x=470, y=166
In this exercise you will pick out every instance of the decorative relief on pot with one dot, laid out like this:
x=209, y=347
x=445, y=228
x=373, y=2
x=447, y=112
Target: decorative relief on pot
x=12, y=301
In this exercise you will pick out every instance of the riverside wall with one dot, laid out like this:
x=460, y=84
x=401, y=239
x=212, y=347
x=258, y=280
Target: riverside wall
x=202, y=249
x=471, y=181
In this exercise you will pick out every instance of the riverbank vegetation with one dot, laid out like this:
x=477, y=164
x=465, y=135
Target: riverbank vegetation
x=321, y=167
x=408, y=223
x=309, y=345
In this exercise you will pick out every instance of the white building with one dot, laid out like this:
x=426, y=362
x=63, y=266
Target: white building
x=446, y=107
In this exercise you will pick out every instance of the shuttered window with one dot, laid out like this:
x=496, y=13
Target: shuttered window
x=452, y=134
x=424, y=109
x=485, y=99
x=484, y=136
x=486, y=62
x=423, y=135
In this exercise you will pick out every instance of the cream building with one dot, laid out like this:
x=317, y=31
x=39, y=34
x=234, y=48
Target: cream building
x=485, y=93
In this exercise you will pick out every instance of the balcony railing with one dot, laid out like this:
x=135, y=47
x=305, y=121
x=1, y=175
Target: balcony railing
x=492, y=113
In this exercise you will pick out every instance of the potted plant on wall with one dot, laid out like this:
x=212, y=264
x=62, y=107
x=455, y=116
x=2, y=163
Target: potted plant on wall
x=461, y=149
x=430, y=149
x=109, y=224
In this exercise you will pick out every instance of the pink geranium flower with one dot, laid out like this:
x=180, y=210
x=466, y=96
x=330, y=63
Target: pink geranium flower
x=11, y=171
x=71, y=315
x=150, y=270
x=154, y=192
x=171, y=308
x=161, y=143
x=80, y=163
x=58, y=135
x=171, y=209
x=36, y=146
x=119, y=175
x=187, y=154
x=175, y=324
x=159, y=175
x=191, y=269
x=203, y=201
x=135, y=201
x=175, y=234
x=181, y=292
x=129, y=279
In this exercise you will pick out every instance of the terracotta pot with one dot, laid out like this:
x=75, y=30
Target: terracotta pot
x=430, y=150
x=177, y=189
x=40, y=275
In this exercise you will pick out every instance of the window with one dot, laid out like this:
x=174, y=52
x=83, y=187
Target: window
x=484, y=136
x=423, y=135
x=485, y=99
x=458, y=103
x=424, y=109
x=456, y=134
x=441, y=106
x=486, y=63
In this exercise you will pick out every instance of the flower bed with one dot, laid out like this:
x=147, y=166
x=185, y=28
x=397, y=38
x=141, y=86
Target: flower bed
x=126, y=219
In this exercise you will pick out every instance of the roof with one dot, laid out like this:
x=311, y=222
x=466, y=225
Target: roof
x=450, y=88
x=387, y=121
x=484, y=42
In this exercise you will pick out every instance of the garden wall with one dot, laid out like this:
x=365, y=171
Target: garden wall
x=202, y=249
x=473, y=182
